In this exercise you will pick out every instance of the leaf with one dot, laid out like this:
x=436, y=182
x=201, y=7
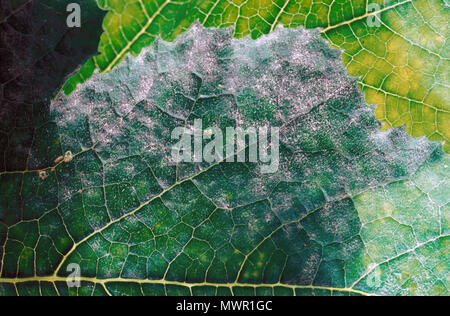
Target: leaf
x=403, y=61
x=404, y=66
x=352, y=210
x=415, y=214
x=38, y=53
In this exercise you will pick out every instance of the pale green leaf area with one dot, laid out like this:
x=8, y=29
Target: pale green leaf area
x=352, y=210
x=399, y=48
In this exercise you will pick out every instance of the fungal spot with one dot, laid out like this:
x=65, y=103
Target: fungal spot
x=43, y=175
x=68, y=156
x=59, y=159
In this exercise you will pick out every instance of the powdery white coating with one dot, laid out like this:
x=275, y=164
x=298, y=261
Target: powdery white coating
x=292, y=74
x=290, y=79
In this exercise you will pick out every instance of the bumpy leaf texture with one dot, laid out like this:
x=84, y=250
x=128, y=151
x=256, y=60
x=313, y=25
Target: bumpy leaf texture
x=398, y=48
x=352, y=210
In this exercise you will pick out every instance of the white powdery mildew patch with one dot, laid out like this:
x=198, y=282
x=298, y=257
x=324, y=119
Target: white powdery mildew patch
x=415, y=151
x=63, y=108
x=288, y=66
x=290, y=73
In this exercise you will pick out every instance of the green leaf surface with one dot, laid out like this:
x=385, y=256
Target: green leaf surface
x=38, y=52
x=352, y=210
x=398, y=48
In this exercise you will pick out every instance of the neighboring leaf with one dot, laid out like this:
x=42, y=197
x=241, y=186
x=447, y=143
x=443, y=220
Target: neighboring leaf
x=403, y=59
x=352, y=210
